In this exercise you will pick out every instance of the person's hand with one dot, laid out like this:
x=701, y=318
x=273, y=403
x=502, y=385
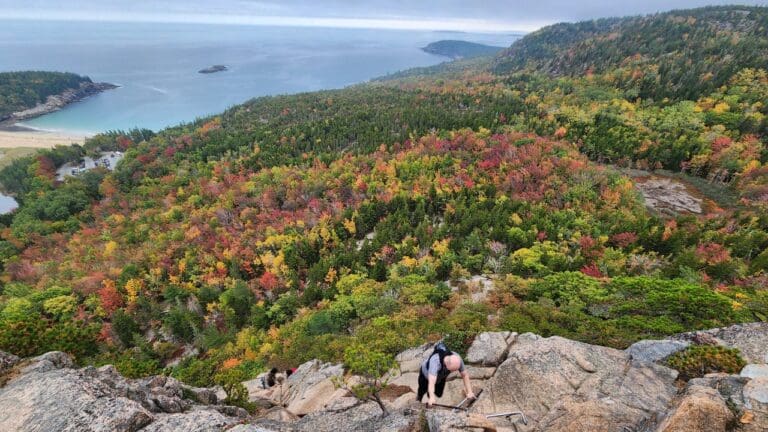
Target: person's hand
x=430, y=401
x=470, y=395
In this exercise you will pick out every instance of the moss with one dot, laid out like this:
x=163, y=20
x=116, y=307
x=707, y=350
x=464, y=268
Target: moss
x=699, y=360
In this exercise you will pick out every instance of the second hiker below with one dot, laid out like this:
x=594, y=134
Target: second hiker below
x=434, y=373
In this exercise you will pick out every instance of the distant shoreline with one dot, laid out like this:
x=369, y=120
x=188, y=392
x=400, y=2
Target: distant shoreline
x=52, y=104
x=15, y=136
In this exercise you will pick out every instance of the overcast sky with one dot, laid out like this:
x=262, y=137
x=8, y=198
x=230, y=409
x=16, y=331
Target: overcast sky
x=468, y=15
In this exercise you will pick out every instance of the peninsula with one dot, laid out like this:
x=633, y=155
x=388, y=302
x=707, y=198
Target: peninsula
x=31, y=94
x=457, y=49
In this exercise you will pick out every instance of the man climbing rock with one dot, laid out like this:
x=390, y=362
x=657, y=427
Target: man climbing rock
x=435, y=370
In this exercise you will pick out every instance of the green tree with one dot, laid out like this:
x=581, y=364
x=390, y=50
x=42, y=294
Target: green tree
x=371, y=366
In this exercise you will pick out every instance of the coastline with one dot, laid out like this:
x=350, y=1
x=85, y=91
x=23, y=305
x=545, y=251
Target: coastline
x=16, y=136
x=52, y=104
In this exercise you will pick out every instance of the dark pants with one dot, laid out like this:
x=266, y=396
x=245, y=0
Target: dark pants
x=424, y=385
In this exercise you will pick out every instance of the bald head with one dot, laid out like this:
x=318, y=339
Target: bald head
x=452, y=362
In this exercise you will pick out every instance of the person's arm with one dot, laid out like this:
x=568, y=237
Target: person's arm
x=467, y=385
x=431, y=380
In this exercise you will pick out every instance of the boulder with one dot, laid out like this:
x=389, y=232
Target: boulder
x=318, y=397
x=756, y=394
x=440, y=420
x=489, y=348
x=730, y=387
x=479, y=372
x=47, y=393
x=545, y=374
x=655, y=350
x=410, y=379
x=410, y=360
x=581, y=414
x=258, y=428
x=403, y=401
x=700, y=409
x=755, y=416
x=205, y=396
x=362, y=417
x=254, y=428
x=751, y=339
x=47, y=399
x=198, y=419
x=755, y=371
x=279, y=414
x=274, y=395
x=7, y=361
x=312, y=387
x=454, y=391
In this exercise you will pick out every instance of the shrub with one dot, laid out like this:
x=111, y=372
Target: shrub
x=124, y=327
x=240, y=299
x=699, y=360
x=196, y=372
x=182, y=323
x=459, y=341
x=22, y=337
x=568, y=288
x=323, y=322
x=60, y=307
x=417, y=292
x=231, y=380
x=372, y=366
x=74, y=337
x=135, y=363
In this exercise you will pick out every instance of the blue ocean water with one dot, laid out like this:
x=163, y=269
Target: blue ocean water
x=156, y=65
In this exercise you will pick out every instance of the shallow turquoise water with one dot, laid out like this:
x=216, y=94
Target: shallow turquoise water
x=156, y=65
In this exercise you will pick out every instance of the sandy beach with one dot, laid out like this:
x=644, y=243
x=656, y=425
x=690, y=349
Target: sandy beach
x=21, y=137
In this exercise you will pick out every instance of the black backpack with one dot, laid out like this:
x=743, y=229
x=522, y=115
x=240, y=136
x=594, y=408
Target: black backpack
x=441, y=350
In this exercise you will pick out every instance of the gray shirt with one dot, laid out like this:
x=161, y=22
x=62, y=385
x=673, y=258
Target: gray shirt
x=433, y=366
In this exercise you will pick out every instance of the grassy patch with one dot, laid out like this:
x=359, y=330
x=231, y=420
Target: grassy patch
x=8, y=155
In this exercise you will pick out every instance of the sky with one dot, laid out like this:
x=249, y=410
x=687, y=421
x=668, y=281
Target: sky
x=461, y=15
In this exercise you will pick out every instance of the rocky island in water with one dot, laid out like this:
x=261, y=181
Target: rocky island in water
x=213, y=69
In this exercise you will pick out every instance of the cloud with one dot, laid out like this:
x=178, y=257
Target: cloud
x=467, y=15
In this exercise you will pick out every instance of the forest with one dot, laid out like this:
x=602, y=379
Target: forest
x=422, y=206
x=24, y=90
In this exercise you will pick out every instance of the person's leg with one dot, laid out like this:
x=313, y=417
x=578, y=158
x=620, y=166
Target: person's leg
x=423, y=385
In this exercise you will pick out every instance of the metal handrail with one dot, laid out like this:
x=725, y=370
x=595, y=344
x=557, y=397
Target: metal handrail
x=510, y=414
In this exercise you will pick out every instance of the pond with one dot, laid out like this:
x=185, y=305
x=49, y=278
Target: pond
x=7, y=204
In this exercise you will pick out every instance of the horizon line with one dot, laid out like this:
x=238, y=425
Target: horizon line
x=465, y=25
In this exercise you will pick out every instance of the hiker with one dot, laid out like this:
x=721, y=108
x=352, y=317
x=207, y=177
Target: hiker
x=273, y=377
x=434, y=372
x=269, y=379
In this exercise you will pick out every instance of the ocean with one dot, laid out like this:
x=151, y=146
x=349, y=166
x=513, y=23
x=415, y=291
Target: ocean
x=156, y=65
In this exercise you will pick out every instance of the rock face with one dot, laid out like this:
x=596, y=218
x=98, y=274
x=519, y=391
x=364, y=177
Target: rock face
x=700, y=409
x=311, y=387
x=751, y=339
x=490, y=349
x=7, y=361
x=410, y=360
x=47, y=394
x=755, y=371
x=561, y=384
x=655, y=350
x=558, y=384
x=668, y=195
